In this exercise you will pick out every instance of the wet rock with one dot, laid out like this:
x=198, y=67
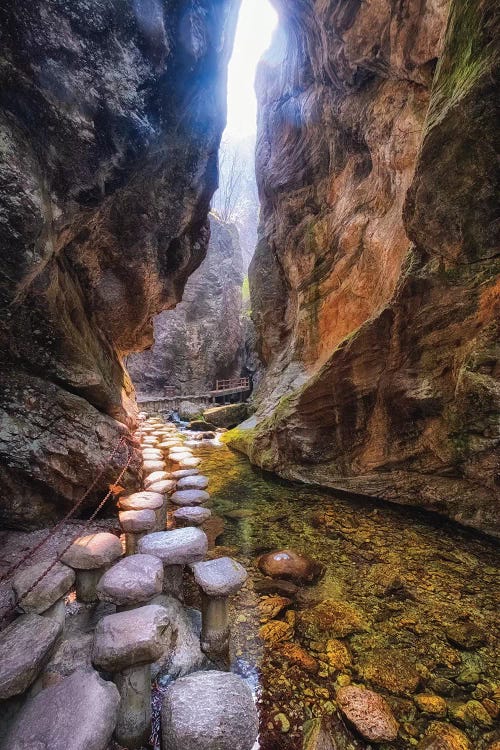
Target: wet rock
x=212, y=708
x=190, y=497
x=433, y=705
x=271, y=606
x=291, y=565
x=200, y=425
x=276, y=586
x=53, y=586
x=390, y=670
x=239, y=514
x=133, y=580
x=337, y=655
x=25, y=646
x=275, y=631
x=443, y=686
x=198, y=482
x=384, y=579
x=227, y=416
x=471, y=670
x=470, y=713
x=188, y=410
x=466, y=635
x=330, y=619
x=368, y=712
x=79, y=713
x=297, y=655
x=441, y=736
x=329, y=733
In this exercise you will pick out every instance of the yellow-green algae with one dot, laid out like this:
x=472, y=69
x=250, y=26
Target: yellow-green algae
x=419, y=596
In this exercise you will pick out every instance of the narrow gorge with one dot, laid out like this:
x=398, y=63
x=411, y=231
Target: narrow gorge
x=249, y=490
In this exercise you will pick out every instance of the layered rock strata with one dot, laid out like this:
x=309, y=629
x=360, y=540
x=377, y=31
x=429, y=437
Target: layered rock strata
x=110, y=120
x=202, y=340
x=374, y=286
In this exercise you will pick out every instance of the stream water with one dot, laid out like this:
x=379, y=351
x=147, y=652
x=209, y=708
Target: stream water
x=424, y=591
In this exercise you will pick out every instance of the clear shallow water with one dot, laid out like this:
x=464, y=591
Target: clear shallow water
x=426, y=591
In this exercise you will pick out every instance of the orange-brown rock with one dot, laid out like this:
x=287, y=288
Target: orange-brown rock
x=271, y=606
x=289, y=564
x=297, y=655
x=374, y=285
x=368, y=712
x=275, y=631
x=441, y=736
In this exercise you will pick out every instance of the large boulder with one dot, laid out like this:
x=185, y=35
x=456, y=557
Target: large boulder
x=79, y=713
x=289, y=564
x=209, y=710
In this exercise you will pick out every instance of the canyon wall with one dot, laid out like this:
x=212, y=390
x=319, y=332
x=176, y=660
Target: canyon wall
x=203, y=338
x=110, y=121
x=374, y=286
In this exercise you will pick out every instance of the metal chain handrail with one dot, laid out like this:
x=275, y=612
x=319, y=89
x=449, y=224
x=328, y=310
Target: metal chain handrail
x=12, y=608
x=59, y=525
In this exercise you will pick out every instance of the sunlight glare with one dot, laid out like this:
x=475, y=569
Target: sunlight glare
x=256, y=23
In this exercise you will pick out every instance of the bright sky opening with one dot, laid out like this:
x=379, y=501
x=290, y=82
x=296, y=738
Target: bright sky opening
x=256, y=24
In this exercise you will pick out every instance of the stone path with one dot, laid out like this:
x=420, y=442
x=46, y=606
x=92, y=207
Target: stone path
x=127, y=622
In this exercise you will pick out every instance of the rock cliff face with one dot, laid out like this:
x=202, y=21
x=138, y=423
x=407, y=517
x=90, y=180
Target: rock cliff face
x=110, y=120
x=373, y=286
x=202, y=339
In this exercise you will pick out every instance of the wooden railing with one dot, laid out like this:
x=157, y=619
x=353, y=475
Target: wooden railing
x=232, y=384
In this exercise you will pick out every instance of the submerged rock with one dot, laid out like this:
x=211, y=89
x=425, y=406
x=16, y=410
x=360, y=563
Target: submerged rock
x=441, y=736
x=368, y=712
x=291, y=565
x=213, y=710
x=330, y=619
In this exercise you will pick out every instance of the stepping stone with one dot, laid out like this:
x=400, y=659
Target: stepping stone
x=156, y=476
x=90, y=555
x=192, y=515
x=93, y=551
x=220, y=577
x=176, y=457
x=137, y=521
x=152, y=454
x=198, y=482
x=146, y=500
x=132, y=581
x=163, y=487
x=190, y=497
x=53, y=586
x=176, y=547
x=126, y=644
x=150, y=466
x=25, y=646
x=210, y=710
x=79, y=713
x=180, y=473
x=189, y=463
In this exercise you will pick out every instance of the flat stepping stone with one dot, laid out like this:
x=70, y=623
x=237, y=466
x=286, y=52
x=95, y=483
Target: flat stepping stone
x=192, y=515
x=176, y=547
x=53, y=586
x=189, y=463
x=150, y=466
x=25, y=646
x=93, y=551
x=137, y=521
x=126, y=639
x=163, y=487
x=79, y=713
x=180, y=473
x=133, y=580
x=142, y=501
x=210, y=710
x=190, y=497
x=220, y=577
x=156, y=476
x=180, y=455
x=198, y=482
x=152, y=454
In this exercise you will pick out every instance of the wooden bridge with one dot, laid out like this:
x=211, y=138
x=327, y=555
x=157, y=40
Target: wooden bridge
x=171, y=398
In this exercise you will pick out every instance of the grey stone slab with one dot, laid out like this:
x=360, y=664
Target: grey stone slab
x=53, y=586
x=220, y=577
x=93, y=551
x=176, y=547
x=136, y=521
x=141, y=501
x=79, y=713
x=190, y=497
x=198, y=482
x=193, y=515
x=133, y=580
x=25, y=646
